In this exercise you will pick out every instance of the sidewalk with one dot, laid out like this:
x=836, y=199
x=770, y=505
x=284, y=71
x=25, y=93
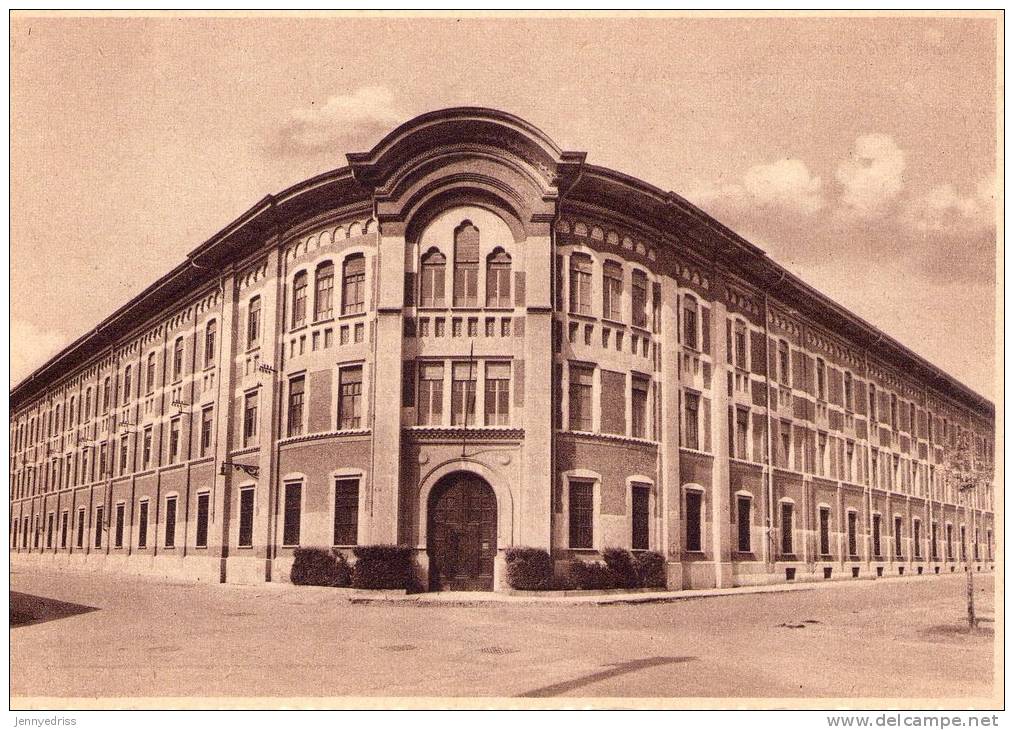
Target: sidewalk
x=482, y=598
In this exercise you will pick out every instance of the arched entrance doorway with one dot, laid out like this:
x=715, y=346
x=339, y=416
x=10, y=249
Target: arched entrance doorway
x=461, y=533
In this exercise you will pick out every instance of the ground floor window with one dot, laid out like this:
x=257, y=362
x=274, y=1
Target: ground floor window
x=346, y=511
x=246, y=513
x=934, y=552
x=787, y=528
x=694, y=503
x=142, y=524
x=876, y=535
x=825, y=531
x=80, y=527
x=98, y=526
x=50, y=521
x=581, y=515
x=853, y=522
x=917, y=538
x=64, y=521
x=118, y=536
x=897, y=537
x=639, y=503
x=170, y=522
x=203, y=503
x=293, y=508
x=950, y=542
x=15, y=533
x=743, y=524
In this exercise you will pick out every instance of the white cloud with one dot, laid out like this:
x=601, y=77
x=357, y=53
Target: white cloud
x=360, y=117
x=785, y=185
x=31, y=346
x=943, y=209
x=871, y=178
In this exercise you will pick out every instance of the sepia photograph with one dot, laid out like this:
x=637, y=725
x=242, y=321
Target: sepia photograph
x=506, y=360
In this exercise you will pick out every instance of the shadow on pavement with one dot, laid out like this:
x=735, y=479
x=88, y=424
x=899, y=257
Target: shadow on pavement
x=559, y=688
x=27, y=609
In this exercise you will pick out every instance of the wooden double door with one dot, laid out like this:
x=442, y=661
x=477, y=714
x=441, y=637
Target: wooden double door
x=461, y=534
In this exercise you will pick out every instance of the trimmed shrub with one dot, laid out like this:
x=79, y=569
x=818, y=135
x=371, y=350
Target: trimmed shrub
x=382, y=566
x=650, y=568
x=529, y=569
x=589, y=576
x=621, y=563
x=319, y=567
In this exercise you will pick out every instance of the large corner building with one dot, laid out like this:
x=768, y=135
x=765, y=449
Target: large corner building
x=467, y=339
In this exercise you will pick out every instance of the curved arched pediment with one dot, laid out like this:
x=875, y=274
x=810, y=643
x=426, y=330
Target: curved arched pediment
x=462, y=127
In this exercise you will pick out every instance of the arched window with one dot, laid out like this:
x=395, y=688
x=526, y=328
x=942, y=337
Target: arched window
x=210, y=333
x=253, y=322
x=323, y=306
x=178, y=359
x=299, y=300
x=612, y=291
x=690, y=322
x=354, y=284
x=739, y=342
x=498, y=279
x=88, y=403
x=639, y=298
x=431, y=288
x=783, y=362
x=580, y=283
x=466, y=265
x=149, y=378
x=105, y=394
x=71, y=416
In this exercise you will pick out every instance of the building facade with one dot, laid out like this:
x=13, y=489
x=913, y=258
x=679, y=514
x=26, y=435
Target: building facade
x=469, y=339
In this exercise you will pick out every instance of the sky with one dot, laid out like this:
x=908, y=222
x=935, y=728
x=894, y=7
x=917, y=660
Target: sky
x=860, y=153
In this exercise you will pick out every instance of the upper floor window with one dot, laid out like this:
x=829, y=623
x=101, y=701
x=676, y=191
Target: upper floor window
x=149, y=384
x=580, y=283
x=126, y=388
x=498, y=380
x=639, y=298
x=250, y=419
x=178, y=359
x=466, y=265
x=783, y=362
x=431, y=394
x=71, y=415
x=106, y=394
x=354, y=284
x=498, y=279
x=431, y=288
x=323, y=306
x=848, y=391
x=580, y=400
x=612, y=291
x=894, y=411
x=253, y=322
x=690, y=322
x=873, y=402
x=739, y=344
x=821, y=379
x=691, y=407
x=295, y=416
x=639, y=407
x=463, y=376
x=299, y=300
x=210, y=333
x=350, y=395
x=88, y=397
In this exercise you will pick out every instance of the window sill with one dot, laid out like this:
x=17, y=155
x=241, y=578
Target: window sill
x=298, y=328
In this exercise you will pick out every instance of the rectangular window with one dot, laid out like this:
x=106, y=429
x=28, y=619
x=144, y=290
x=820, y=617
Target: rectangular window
x=934, y=551
x=209, y=342
x=950, y=542
x=581, y=398
x=80, y=528
x=178, y=359
x=64, y=520
x=293, y=513
x=207, y=428
x=170, y=522
x=876, y=536
x=964, y=537
x=354, y=285
x=742, y=432
x=50, y=527
x=98, y=527
x=246, y=515
x=783, y=363
x=463, y=376
x=124, y=451
x=126, y=391
x=295, y=415
x=821, y=380
x=743, y=524
x=203, y=503
x=853, y=519
x=498, y=380
x=916, y=539
x=580, y=284
x=639, y=407
x=346, y=512
x=431, y=394
x=740, y=344
x=694, y=520
x=250, y=419
x=612, y=291
x=639, y=516
x=350, y=392
x=118, y=534
x=253, y=322
x=323, y=307
x=825, y=531
x=639, y=299
x=787, y=529
x=897, y=537
x=690, y=322
x=142, y=524
x=691, y=408
x=174, y=441
x=581, y=515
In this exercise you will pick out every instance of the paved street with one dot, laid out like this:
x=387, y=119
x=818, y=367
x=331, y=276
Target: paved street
x=110, y=635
